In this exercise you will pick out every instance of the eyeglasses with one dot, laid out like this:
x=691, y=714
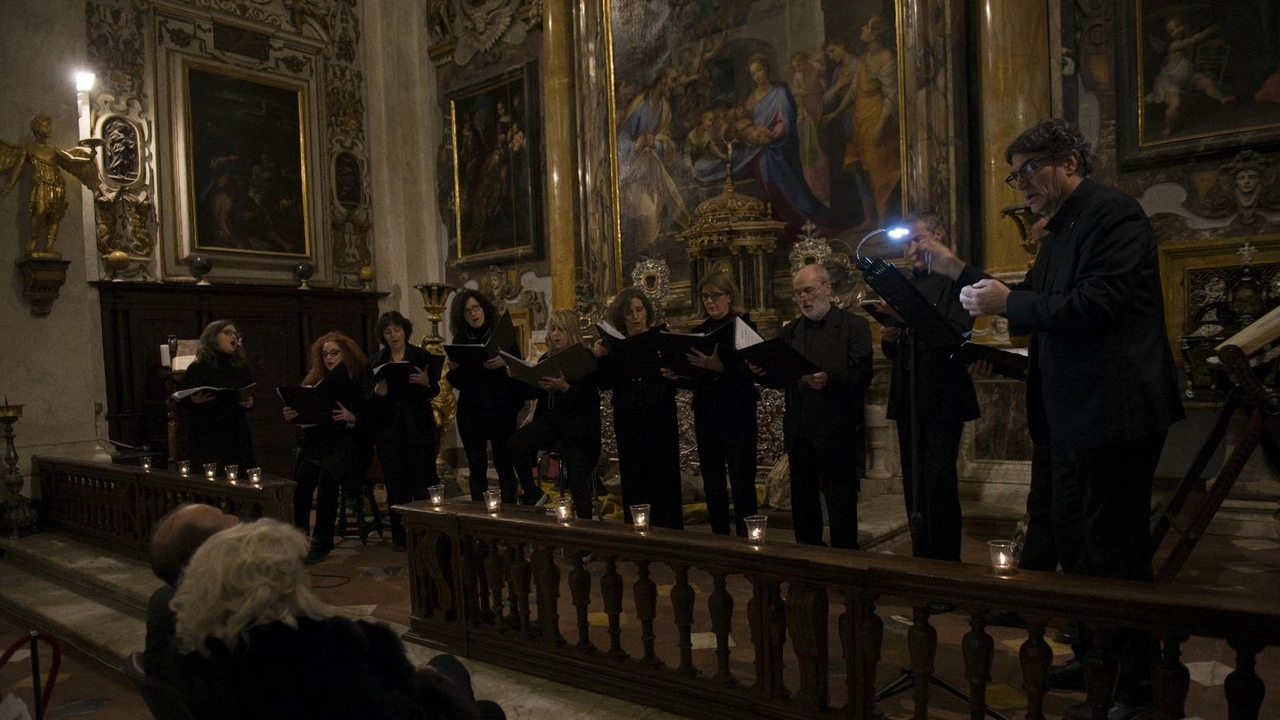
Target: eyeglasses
x=808, y=292
x=330, y=353
x=230, y=332
x=1025, y=172
x=472, y=309
x=711, y=297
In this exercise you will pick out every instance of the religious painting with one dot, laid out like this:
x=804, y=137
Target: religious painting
x=247, y=164
x=797, y=103
x=1196, y=79
x=497, y=169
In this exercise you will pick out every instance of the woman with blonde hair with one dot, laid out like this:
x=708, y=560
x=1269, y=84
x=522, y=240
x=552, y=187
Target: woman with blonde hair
x=567, y=413
x=253, y=641
x=336, y=452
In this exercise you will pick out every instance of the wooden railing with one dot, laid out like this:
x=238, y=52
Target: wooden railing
x=489, y=587
x=117, y=506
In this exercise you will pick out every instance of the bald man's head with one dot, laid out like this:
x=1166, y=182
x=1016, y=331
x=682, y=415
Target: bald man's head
x=180, y=533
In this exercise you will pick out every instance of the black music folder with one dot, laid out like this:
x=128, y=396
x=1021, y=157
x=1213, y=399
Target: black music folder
x=576, y=362
x=1005, y=363
x=929, y=327
x=237, y=395
x=397, y=373
x=313, y=405
x=674, y=348
x=779, y=360
x=502, y=337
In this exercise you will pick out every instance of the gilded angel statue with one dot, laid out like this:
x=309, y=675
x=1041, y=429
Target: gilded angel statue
x=48, y=193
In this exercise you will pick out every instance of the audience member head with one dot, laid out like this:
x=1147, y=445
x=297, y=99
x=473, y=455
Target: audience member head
x=811, y=287
x=463, y=313
x=1047, y=162
x=251, y=574
x=923, y=226
x=390, y=321
x=323, y=359
x=631, y=312
x=718, y=296
x=221, y=338
x=563, y=330
x=180, y=533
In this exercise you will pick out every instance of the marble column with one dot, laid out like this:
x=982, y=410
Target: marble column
x=559, y=108
x=1014, y=60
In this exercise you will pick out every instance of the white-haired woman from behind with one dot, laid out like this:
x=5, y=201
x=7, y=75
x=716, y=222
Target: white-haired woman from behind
x=255, y=642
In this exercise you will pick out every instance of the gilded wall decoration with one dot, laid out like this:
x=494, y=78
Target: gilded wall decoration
x=460, y=30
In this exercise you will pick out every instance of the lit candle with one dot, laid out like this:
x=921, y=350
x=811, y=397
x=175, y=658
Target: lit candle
x=1002, y=555
x=184, y=467
x=756, y=525
x=564, y=509
x=210, y=469
x=255, y=475
x=233, y=472
x=436, y=495
x=640, y=517
x=145, y=463
x=493, y=500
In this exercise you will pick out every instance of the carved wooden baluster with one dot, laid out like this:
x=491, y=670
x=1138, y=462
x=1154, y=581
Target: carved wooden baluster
x=611, y=596
x=768, y=617
x=1100, y=670
x=807, y=622
x=979, y=653
x=870, y=636
x=493, y=572
x=580, y=591
x=1243, y=688
x=845, y=626
x=646, y=596
x=1170, y=679
x=514, y=551
x=422, y=599
x=922, y=643
x=682, y=599
x=720, y=607
x=521, y=575
x=1036, y=657
x=546, y=575
x=472, y=595
x=437, y=547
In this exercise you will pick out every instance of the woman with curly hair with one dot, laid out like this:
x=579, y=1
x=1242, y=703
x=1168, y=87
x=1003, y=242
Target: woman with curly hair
x=644, y=418
x=253, y=641
x=217, y=426
x=488, y=401
x=336, y=452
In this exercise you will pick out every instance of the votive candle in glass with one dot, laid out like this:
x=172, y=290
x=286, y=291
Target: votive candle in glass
x=210, y=469
x=233, y=473
x=640, y=517
x=255, y=475
x=145, y=463
x=756, y=526
x=184, y=467
x=1002, y=557
x=492, y=500
x=435, y=494
x=564, y=509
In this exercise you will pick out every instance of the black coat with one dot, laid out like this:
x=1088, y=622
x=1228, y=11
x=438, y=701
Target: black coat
x=574, y=413
x=333, y=668
x=482, y=389
x=342, y=450
x=732, y=390
x=218, y=430
x=636, y=385
x=1101, y=370
x=408, y=410
x=944, y=385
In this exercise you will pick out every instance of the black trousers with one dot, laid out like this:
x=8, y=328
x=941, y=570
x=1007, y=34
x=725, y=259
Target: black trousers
x=1039, y=552
x=478, y=428
x=315, y=479
x=831, y=471
x=728, y=437
x=579, y=455
x=938, y=534
x=408, y=462
x=649, y=461
x=1102, y=528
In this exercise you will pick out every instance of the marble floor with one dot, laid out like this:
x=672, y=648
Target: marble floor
x=371, y=582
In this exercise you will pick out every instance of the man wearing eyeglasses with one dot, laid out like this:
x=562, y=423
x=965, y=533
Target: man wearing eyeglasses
x=1101, y=387
x=822, y=425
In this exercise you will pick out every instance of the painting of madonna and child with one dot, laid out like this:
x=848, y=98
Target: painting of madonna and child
x=798, y=99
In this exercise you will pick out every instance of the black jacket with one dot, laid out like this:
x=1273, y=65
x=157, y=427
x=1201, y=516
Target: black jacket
x=218, y=430
x=409, y=408
x=481, y=389
x=1101, y=369
x=733, y=389
x=944, y=385
x=342, y=450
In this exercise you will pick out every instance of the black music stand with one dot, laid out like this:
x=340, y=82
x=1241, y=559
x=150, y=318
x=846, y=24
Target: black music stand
x=926, y=329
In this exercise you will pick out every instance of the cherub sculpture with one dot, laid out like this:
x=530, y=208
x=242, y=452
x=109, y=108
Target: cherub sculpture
x=48, y=193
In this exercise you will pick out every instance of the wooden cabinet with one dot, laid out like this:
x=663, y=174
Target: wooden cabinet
x=278, y=325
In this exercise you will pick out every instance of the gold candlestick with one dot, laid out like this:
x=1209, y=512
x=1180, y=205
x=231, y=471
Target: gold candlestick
x=445, y=405
x=17, y=517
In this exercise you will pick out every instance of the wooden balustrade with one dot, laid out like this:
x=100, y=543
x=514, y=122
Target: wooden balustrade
x=474, y=578
x=116, y=506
